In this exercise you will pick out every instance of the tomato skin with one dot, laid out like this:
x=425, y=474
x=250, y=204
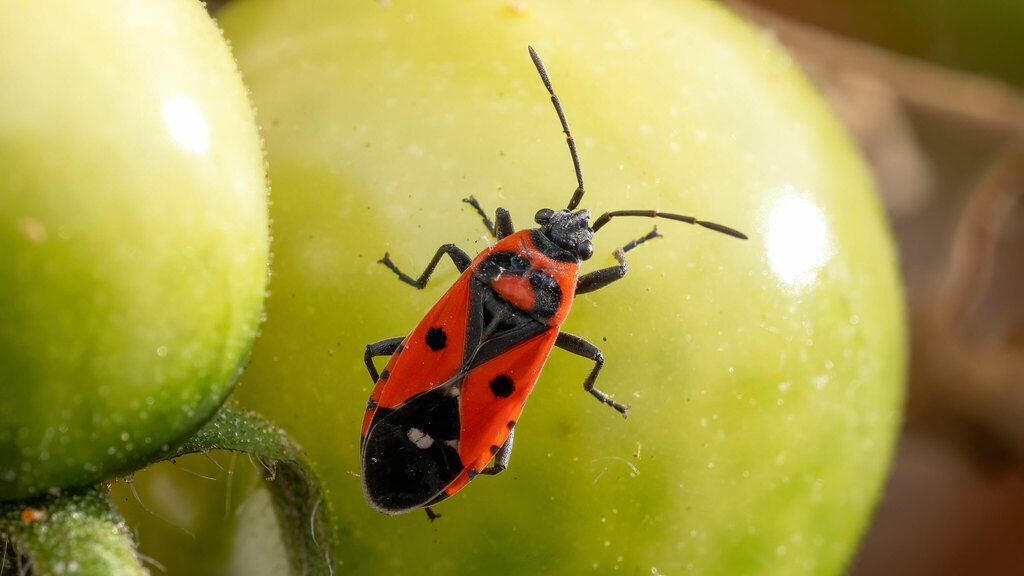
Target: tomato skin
x=133, y=231
x=765, y=390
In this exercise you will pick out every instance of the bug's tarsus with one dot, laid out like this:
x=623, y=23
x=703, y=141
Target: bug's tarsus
x=431, y=515
x=649, y=236
x=501, y=226
x=577, y=196
x=580, y=347
x=607, y=216
x=472, y=201
x=458, y=256
x=605, y=276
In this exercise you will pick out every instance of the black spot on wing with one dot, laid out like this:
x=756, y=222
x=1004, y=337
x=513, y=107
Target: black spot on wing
x=406, y=460
x=436, y=338
x=502, y=386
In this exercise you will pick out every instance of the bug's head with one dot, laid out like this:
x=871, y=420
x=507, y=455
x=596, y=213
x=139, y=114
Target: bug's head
x=568, y=229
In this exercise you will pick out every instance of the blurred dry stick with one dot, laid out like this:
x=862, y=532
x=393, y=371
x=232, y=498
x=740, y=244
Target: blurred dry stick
x=870, y=88
x=964, y=381
x=960, y=96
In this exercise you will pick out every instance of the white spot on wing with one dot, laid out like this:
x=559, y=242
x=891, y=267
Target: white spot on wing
x=419, y=438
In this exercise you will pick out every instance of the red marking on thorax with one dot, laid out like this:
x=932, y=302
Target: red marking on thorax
x=517, y=289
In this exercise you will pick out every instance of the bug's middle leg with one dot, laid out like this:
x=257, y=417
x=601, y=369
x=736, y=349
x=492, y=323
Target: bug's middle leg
x=605, y=276
x=581, y=347
x=383, y=348
x=502, y=226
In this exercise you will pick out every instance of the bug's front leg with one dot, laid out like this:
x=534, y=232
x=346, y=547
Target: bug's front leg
x=502, y=226
x=581, y=347
x=458, y=256
x=605, y=276
x=382, y=348
x=501, y=456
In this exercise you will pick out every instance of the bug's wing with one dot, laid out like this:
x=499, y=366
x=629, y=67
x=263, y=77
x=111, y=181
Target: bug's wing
x=411, y=454
x=418, y=367
x=423, y=450
x=491, y=398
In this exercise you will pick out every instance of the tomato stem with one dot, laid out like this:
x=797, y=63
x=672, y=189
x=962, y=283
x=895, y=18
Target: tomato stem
x=302, y=510
x=73, y=531
x=78, y=530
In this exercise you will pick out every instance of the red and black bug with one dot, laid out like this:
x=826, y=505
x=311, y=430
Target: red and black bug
x=447, y=403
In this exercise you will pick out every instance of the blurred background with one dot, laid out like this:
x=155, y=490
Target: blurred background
x=933, y=92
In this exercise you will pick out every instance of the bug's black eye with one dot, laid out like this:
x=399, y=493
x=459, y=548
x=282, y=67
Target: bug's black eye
x=543, y=216
x=586, y=250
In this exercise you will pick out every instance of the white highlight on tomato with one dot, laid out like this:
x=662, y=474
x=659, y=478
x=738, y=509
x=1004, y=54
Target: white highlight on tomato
x=797, y=240
x=186, y=124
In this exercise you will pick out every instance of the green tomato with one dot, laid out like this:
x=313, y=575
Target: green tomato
x=133, y=234
x=765, y=376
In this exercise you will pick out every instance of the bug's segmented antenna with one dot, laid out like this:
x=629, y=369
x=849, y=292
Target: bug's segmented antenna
x=607, y=216
x=578, y=194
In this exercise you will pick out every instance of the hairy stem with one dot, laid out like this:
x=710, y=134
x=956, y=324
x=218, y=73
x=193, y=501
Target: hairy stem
x=77, y=531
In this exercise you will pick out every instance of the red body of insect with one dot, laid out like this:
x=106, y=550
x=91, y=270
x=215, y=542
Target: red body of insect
x=448, y=399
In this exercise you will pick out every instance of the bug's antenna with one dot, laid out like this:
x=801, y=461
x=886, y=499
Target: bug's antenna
x=578, y=194
x=607, y=216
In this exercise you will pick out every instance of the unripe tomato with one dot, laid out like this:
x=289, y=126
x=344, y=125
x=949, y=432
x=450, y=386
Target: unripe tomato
x=765, y=376
x=133, y=234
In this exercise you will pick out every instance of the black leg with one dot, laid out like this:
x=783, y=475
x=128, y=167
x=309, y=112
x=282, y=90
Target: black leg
x=504, y=225
x=382, y=348
x=460, y=258
x=431, y=515
x=605, y=276
x=501, y=457
x=581, y=347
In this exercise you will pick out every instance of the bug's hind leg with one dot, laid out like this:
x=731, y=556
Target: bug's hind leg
x=605, y=276
x=501, y=227
x=382, y=348
x=501, y=457
x=431, y=515
x=581, y=347
x=458, y=256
